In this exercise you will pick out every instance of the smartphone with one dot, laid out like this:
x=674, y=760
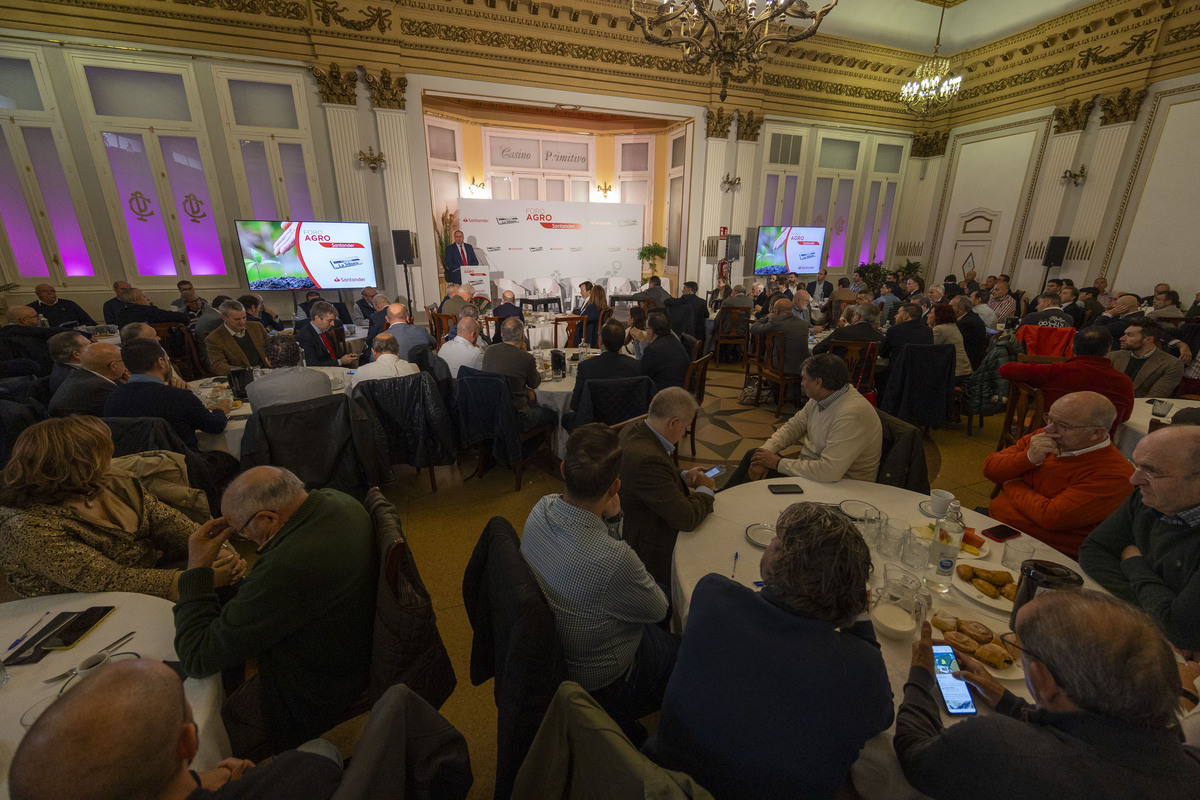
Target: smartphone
x=1000, y=533
x=65, y=637
x=955, y=693
x=1161, y=408
x=785, y=488
x=715, y=471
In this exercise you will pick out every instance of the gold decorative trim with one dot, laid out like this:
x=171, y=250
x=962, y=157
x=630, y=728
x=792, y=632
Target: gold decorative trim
x=1020, y=79
x=1182, y=33
x=929, y=144
x=748, y=124
x=1122, y=108
x=284, y=9
x=821, y=87
x=1097, y=54
x=386, y=92
x=336, y=87
x=1073, y=117
x=329, y=11
x=717, y=122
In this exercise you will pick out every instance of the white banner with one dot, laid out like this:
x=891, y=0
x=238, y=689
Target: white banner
x=519, y=239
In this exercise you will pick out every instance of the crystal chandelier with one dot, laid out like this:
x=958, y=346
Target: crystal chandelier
x=931, y=90
x=728, y=35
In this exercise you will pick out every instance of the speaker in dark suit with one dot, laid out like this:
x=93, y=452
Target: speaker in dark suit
x=316, y=354
x=459, y=254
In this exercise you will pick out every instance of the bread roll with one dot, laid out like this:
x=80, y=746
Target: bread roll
x=960, y=641
x=994, y=656
x=965, y=572
x=987, y=588
x=998, y=577
x=976, y=630
x=1009, y=592
x=943, y=621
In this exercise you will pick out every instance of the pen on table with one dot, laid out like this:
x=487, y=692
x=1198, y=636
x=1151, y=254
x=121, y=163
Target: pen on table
x=735, y=557
x=26, y=633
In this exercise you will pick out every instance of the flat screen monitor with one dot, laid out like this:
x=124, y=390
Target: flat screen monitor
x=282, y=254
x=786, y=249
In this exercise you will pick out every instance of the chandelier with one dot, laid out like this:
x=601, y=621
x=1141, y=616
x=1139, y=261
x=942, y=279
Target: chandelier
x=931, y=90
x=728, y=35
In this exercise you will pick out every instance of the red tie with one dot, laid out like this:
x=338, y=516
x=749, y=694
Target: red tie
x=463, y=253
x=328, y=346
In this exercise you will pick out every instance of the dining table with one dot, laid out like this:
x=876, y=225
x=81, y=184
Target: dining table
x=26, y=694
x=556, y=392
x=1131, y=431
x=720, y=541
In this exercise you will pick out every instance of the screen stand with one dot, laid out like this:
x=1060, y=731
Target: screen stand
x=407, y=284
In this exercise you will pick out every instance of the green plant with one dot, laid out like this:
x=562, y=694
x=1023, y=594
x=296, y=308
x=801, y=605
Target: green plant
x=443, y=229
x=650, y=252
x=874, y=272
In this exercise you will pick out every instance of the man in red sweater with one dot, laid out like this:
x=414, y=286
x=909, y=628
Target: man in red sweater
x=1089, y=370
x=1062, y=481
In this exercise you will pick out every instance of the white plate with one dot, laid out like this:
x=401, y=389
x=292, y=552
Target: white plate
x=760, y=534
x=999, y=603
x=984, y=549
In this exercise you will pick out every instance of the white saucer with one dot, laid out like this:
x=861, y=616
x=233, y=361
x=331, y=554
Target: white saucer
x=760, y=534
x=926, y=507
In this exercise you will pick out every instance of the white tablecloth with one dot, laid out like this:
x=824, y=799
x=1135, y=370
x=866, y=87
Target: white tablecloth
x=149, y=616
x=711, y=548
x=1138, y=424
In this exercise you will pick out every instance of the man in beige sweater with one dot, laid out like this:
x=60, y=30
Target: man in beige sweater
x=838, y=431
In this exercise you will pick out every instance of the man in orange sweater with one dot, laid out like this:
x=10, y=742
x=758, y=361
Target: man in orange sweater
x=1060, y=482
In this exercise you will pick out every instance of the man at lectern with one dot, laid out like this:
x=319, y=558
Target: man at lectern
x=458, y=255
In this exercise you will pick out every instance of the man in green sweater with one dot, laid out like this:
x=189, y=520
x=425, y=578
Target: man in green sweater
x=1148, y=550
x=306, y=612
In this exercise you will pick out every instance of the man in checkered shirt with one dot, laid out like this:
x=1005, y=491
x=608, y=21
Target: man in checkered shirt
x=607, y=609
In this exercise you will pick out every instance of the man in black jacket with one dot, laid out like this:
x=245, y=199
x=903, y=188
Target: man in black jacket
x=689, y=298
x=909, y=328
x=315, y=340
x=665, y=360
x=58, y=311
x=820, y=289
x=24, y=338
x=609, y=364
x=138, y=309
x=974, y=332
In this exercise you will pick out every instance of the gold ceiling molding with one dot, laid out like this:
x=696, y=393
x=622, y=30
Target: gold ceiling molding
x=330, y=12
x=1019, y=79
x=386, y=91
x=1183, y=33
x=939, y=3
x=1122, y=108
x=717, y=121
x=1073, y=117
x=929, y=144
x=1098, y=54
x=821, y=87
x=283, y=9
x=748, y=125
x=335, y=86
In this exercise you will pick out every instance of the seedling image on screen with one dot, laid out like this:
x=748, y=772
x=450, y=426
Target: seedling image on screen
x=286, y=254
x=782, y=250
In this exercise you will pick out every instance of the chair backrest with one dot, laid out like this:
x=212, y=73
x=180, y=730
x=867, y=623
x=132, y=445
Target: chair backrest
x=613, y=400
x=485, y=409
x=544, y=285
x=505, y=285
x=902, y=455
x=1042, y=340
x=569, y=322
x=617, y=285
x=339, y=340
x=617, y=427
x=860, y=359
x=180, y=345
x=1026, y=412
x=442, y=323
x=920, y=387
x=414, y=417
x=732, y=323
x=646, y=305
x=696, y=380
x=430, y=313
x=775, y=343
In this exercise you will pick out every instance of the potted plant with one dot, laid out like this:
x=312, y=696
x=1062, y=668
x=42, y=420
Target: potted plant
x=650, y=252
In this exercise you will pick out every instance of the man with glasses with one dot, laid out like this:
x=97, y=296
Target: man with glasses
x=1102, y=724
x=1062, y=481
x=305, y=613
x=22, y=337
x=85, y=389
x=1148, y=550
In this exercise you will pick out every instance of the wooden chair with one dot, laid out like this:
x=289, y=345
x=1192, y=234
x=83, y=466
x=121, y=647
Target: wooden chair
x=338, y=334
x=1026, y=412
x=1157, y=424
x=755, y=351
x=736, y=333
x=430, y=313
x=646, y=305
x=180, y=346
x=617, y=427
x=696, y=382
x=860, y=358
x=442, y=323
x=775, y=343
x=488, y=322
x=570, y=322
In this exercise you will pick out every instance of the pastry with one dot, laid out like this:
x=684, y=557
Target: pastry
x=960, y=641
x=976, y=630
x=998, y=577
x=994, y=656
x=965, y=572
x=987, y=588
x=1009, y=591
x=1012, y=649
x=943, y=621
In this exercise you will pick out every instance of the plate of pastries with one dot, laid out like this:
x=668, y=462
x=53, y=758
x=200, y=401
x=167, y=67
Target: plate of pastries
x=994, y=588
x=974, y=638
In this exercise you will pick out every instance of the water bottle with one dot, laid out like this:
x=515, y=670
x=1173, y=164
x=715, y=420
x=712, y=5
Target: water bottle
x=943, y=553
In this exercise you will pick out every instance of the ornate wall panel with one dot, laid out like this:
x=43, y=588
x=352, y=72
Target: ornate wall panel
x=347, y=172
x=1094, y=201
x=1044, y=219
x=714, y=169
x=740, y=221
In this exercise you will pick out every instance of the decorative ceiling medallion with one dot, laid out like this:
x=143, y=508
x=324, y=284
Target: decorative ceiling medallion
x=329, y=12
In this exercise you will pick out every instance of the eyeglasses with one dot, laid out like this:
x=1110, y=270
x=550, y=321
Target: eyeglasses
x=246, y=524
x=1152, y=474
x=1056, y=423
x=1010, y=638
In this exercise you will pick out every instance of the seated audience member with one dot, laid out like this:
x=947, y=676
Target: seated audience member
x=974, y=332
x=66, y=349
x=377, y=323
x=114, y=304
x=841, y=297
x=654, y=292
x=1002, y=301
x=72, y=522
x=209, y=320
x=585, y=295
x=146, y=394
x=749, y=659
x=507, y=308
x=636, y=334
x=664, y=358
x=820, y=289
x=943, y=321
x=719, y=294
x=689, y=297
x=129, y=732
x=63, y=313
x=1102, y=726
x=1089, y=369
x=795, y=335
x=1146, y=551
x=469, y=310
x=455, y=301
x=85, y=389
x=607, y=608
x=738, y=299
x=305, y=614
x=364, y=306
x=838, y=431
x=888, y=296
x=1123, y=311
x=258, y=311
x=611, y=363
x=968, y=283
x=1167, y=308
x=317, y=343
x=142, y=330
x=1063, y=480
x=907, y=328
x=659, y=498
x=237, y=343
x=406, y=332
x=451, y=293
x=596, y=306
x=1154, y=373
x=194, y=306
x=138, y=309
x=863, y=329
x=1068, y=297
x=982, y=309
x=936, y=294
x=511, y=360
x=309, y=299
x=1049, y=313
x=1087, y=298
x=24, y=338
x=185, y=289
x=463, y=349
x=386, y=363
x=287, y=382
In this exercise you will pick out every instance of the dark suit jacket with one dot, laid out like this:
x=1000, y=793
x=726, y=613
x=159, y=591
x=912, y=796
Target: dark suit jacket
x=315, y=354
x=27, y=341
x=59, y=373
x=659, y=295
x=132, y=312
x=605, y=365
x=858, y=332
x=699, y=310
x=82, y=392
x=827, y=288
x=64, y=312
x=503, y=311
x=1075, y=312
x=1117, y=325
x=343, y=313
x=452, y=261
x=270, y=323
x=795, y=332
x=518, y=368
x=914, y=331
x=112, y=307
x=655, y=501
x=974, y=334
x=409, y=335
x=224, y=353
x=182, y=410
x=665, y=361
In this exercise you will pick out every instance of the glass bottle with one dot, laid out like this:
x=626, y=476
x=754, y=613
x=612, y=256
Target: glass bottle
x=943, y=553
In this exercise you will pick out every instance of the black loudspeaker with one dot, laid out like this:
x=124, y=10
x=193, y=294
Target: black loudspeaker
x=402, y=244
x=1056, y=251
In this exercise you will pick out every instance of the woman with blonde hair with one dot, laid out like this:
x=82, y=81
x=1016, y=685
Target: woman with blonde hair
x=593, y=313
x=72, y=522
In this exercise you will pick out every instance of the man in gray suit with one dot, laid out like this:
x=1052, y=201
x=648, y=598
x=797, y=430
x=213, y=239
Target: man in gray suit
x=655, y=292
x=85, y=389
x=739, y=298
x=1154, y=373
x=287, y=382
x=406, y=334
x=509, y=358
x=795, y=334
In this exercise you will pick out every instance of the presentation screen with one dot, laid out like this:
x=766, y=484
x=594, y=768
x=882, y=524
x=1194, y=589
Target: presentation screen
x=786, y=249
x=281, y=254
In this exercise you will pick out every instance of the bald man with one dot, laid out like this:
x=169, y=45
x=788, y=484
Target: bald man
x=1063, y=480
x=59, y=312
x=22, y=337
x=128, y=731
x=85, y=389
x=406, y=334
x=114, y=304
x=305, y=613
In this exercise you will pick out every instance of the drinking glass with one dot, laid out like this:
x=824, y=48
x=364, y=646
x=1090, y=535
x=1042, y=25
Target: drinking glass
x=891, y=538
x=916, y=548
x=1015, y=552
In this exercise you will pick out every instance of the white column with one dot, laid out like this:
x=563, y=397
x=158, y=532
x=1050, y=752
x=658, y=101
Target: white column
x=397, y=190
x=1101, y=178
x=347, y=171
x=740, y=217
x=714, y=170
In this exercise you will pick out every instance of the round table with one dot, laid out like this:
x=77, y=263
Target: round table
x=1133, y=429
x=556, y=394
x=711, y=548
x=149, y=616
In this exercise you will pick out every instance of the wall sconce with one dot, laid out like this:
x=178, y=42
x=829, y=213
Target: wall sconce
x=1077, y=178
x=729, y=184
x=604, y=189
x=474, y=187
x=372, y=159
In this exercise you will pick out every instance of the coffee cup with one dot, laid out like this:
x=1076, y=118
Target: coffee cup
x=939, y=502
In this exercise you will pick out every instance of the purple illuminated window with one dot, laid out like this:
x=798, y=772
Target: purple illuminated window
x=31, y=262
x=193, y=208
x=789, y=199
x=840, y=223
x=864, y=253
x=885, y=221
x=258, y=178
x=139, y=204
x=770, y=195
x=295, y=181
x=57, y=197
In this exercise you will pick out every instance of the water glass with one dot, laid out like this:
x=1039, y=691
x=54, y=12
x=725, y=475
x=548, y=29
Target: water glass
x=868, y=525
x=1016, y=551
x=891, y=538
x=916, y=548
